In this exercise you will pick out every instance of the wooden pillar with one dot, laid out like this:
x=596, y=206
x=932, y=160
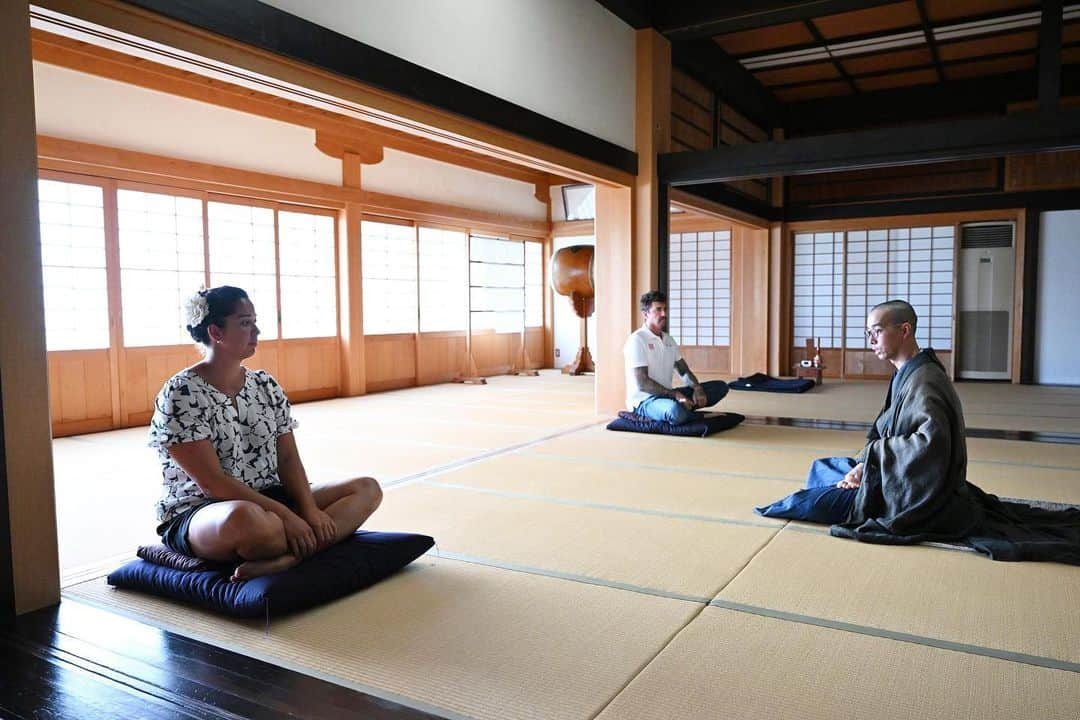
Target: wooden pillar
x=29, y=567
x=777, y=306
x=779, y=297
x=749, y=299
x=351, y=285
x=616, y=308
x=652, y=136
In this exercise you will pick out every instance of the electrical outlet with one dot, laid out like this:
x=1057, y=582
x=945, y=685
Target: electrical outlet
x=556, y=352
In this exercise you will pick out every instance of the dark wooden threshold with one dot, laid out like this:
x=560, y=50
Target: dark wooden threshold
x=982, y=433
x=75, y=660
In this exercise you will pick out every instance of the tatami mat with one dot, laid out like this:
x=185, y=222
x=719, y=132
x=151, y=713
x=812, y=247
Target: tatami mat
x=690, y=558
x=1018, y=481
x=1000, y=406
x=383, y=459
x=724, y=452
x=667, y=490
x=784, y=454
x=1027, y=608
x=569, y=556
x=740, y=666
x=460, y=639
x=1020, y=453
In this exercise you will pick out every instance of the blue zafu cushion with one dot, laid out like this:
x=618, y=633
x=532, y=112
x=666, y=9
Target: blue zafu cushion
x=768, y=383
x=351, y=565
x=703, y=424
x=820, y=501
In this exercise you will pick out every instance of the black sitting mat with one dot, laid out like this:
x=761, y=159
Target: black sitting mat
x=703, y=424
x=767, y=383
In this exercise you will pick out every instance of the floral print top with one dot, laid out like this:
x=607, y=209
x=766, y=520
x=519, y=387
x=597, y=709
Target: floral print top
x=188, y=409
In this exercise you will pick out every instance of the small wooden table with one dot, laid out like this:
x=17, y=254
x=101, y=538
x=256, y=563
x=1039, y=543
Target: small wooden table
x=813, y=373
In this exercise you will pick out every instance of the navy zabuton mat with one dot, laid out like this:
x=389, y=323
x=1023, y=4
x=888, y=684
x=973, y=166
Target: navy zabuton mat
x=767, y=383
x=351, y=565
x=703, y=424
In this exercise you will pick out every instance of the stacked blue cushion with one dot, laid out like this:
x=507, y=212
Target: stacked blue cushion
x=353, y=564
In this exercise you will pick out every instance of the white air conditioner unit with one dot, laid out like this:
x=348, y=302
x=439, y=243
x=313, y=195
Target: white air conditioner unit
x=985, y=302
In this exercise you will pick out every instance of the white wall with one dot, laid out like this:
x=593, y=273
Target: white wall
x=425, y=179
x=1057, y=324
x=78, y=106
x=570, y=60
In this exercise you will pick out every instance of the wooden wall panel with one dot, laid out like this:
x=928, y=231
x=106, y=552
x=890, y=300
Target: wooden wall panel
x=715, y=360
x=692, y=107
x=442, y=357
x=690, y=135
x=1042, y=171
x=309, y=368
x=690, y=88
x=534, y=344
x=80, y=391
x=390, y=361
x=880, y=183
x=493, y=352
x=145, y=370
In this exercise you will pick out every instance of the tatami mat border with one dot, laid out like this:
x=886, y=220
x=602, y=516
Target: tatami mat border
x=659, y=468
x=927, y=641
x=982, y=433
x=486, y=455
x=776, y=524
x=825, y=452
x=572, y=577
x=1037, y=660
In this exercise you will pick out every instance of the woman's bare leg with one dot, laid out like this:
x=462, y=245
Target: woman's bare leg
x=348, y=502
x=242, y=532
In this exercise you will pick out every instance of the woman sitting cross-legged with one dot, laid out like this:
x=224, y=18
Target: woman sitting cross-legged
x=235, y=490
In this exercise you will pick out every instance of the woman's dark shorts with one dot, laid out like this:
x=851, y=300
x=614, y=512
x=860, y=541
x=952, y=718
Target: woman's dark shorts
x=174, y=533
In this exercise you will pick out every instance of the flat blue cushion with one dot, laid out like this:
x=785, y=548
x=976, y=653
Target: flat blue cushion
x=820, y=501
x=703, y=424
x=767, y=383
x=351, y=565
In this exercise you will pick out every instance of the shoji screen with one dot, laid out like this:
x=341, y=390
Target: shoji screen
x=699, y=298
x=819, y=288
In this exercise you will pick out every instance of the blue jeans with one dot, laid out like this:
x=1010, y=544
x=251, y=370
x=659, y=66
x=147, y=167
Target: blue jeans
x=665, y=409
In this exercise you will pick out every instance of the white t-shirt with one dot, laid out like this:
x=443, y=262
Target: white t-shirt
x=245, y=436
x=659, y=354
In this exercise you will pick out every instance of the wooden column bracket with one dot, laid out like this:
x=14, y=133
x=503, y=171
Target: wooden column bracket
x=368, y=151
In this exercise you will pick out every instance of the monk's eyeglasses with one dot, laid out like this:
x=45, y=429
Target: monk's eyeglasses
x=875, y=333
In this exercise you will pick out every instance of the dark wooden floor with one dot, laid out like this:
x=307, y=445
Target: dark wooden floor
x=76, y=661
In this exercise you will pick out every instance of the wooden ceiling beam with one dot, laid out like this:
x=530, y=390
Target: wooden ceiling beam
x=907, y=145
x=706, y=18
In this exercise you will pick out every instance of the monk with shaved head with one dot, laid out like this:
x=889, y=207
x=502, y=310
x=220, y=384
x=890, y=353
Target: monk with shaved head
x=909, y=482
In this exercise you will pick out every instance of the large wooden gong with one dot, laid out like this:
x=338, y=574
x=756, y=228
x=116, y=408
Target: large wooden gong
x=572, y=276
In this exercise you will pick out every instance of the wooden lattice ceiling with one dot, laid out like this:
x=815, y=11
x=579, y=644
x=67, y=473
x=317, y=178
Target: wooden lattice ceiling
x=902, y=44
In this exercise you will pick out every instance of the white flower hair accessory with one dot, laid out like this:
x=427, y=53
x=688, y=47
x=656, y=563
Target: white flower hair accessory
x=197, y=308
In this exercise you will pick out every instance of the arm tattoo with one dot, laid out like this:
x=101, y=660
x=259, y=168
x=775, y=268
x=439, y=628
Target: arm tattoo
x=684, y=372
x=648, y=385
